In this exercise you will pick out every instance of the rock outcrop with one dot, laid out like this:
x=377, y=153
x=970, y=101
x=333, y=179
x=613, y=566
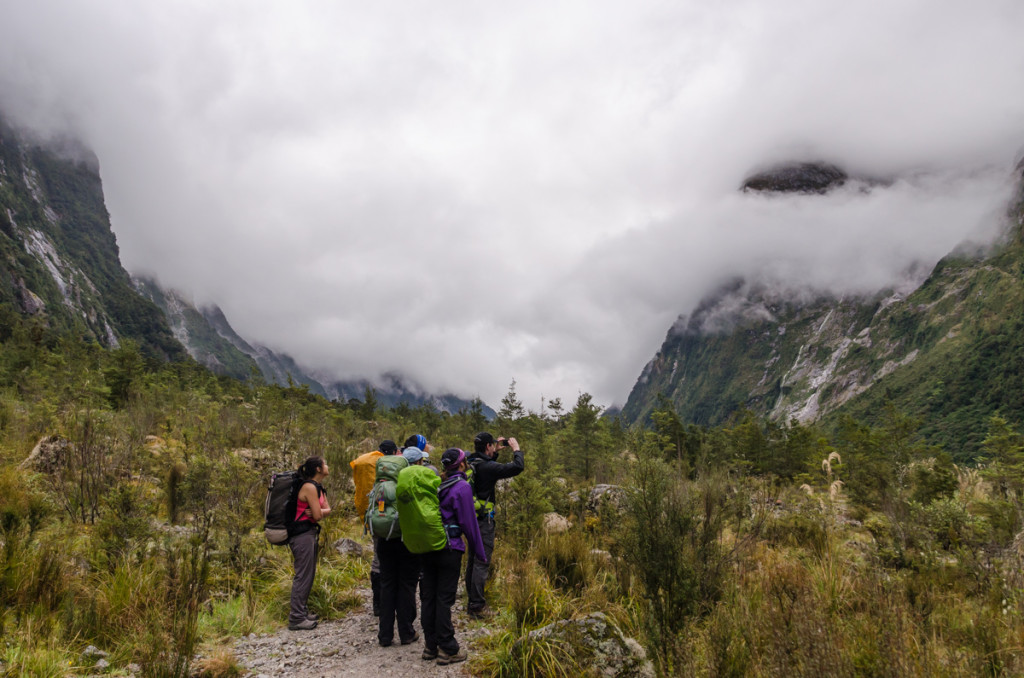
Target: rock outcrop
x=805, y=177
x=596, y=644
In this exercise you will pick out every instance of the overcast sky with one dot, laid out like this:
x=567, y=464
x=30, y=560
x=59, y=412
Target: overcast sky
x=469, y=193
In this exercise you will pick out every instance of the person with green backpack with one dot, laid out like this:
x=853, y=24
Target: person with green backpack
x=399, y=569
x=442, y=568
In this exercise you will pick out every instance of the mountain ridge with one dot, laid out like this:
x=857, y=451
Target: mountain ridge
x=210, y=339
x=812, y=356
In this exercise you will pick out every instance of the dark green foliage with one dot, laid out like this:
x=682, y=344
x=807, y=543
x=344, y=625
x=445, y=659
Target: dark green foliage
x=522, y=508
x=672, y=542
x=368, y=407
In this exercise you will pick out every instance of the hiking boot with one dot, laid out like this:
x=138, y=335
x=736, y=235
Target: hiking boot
x=480, y=612
x=413, y=639
x=444, y=659
x=428, y=655
x=385, y=643
x=313, y=616
x=304, y=625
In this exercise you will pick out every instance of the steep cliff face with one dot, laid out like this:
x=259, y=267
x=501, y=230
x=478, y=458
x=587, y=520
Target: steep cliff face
x=60, y=258
x=193, y=330
x=949, y=351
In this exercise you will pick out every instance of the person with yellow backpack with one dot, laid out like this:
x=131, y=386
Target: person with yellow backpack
x=364, y=475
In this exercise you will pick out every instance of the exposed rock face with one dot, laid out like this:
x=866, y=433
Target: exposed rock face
x=597, y=645
x=807, y=177
x=799, y=354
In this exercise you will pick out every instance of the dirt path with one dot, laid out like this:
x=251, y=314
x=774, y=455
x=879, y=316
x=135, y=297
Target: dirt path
x=347, y=647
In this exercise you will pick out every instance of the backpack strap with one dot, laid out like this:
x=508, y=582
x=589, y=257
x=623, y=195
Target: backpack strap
x=484, y=509
x=446, y=484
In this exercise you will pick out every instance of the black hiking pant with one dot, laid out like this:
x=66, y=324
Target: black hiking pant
x=478, y=570
x=441, y=570
x=399, y=572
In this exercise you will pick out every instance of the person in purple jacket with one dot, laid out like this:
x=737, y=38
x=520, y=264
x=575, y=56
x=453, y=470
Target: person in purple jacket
x=441, y=569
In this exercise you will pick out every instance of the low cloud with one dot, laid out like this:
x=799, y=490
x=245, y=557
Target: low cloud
x=470, y=194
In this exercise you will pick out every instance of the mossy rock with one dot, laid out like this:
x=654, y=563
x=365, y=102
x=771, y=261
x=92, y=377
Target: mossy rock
x=596, y=645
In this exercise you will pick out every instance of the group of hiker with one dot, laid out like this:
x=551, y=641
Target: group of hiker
x=422, y=517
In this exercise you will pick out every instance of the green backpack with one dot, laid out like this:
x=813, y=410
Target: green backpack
x=381, y=518
x=419, y=510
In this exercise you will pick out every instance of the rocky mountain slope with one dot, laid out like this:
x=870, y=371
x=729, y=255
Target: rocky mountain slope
x=59, y=257
x=949, y=351
x=212, y=341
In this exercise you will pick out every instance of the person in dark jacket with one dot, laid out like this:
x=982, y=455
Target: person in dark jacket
x=486, y=473
x=441, y=569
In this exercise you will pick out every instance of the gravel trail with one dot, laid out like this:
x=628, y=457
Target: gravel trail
x=348, y=647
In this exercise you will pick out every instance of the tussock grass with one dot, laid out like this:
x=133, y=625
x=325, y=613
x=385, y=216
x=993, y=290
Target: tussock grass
x=221, y=663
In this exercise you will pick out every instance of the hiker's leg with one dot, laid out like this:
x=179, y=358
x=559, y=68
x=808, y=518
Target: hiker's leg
x=447, y=583
x=390, y=561
x=303, y=548
x=478, y=570
x=428, y=600
x=375, y=578
x=405, y=607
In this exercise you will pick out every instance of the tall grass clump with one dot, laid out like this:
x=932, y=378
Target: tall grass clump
x=680, y=538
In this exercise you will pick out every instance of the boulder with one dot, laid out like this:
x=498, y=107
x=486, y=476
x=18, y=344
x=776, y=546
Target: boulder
x=554, y=523
x=50, y=455
x=600, y=494
x=597, y=646
x=259, y=459
x=605, y=493
x=352, y=548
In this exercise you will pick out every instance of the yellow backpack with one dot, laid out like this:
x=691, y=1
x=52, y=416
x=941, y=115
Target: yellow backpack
x=364, y=474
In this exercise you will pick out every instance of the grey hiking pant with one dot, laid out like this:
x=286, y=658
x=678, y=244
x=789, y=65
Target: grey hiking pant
x=303, y=548
x=477, y=570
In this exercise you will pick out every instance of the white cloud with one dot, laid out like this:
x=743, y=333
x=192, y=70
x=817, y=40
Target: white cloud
x=469, y=194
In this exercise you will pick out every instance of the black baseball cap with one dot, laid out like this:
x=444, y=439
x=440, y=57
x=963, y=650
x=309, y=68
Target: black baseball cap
x=483, y=438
